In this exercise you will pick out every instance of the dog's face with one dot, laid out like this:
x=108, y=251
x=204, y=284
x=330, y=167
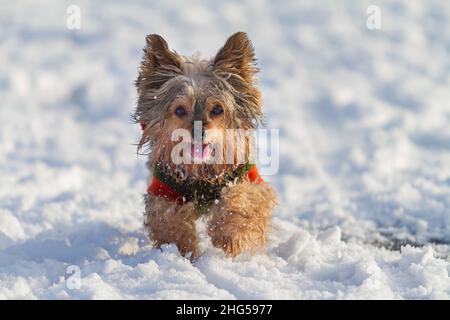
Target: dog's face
x=204, y=98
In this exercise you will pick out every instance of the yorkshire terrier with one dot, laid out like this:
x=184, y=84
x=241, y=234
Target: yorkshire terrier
x=186, y=106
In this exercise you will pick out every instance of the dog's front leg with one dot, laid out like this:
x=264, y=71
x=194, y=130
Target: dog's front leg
x=241, y=219
x=168, y=222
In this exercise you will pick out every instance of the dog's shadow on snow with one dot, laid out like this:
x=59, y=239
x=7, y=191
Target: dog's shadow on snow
x=87, y=241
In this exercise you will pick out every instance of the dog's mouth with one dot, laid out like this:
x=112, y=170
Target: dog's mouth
x=200, y=151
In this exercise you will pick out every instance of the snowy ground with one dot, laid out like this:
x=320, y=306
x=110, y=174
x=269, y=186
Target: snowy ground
x=364, y=181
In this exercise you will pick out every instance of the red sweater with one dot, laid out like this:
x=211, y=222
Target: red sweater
x=160, y=189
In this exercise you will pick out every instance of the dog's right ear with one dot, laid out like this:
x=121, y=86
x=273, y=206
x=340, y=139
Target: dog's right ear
x=237, y=56
x=159, y=54
x=159, y=63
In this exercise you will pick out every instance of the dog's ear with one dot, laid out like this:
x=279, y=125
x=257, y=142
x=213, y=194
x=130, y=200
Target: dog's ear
x=237, y=56
x=159, y=63
x=159, y=54
x=235, y=62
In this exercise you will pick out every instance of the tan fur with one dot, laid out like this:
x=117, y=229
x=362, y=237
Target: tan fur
x=168, y=222
x=241, y=220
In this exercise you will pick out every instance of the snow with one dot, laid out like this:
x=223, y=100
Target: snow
x=364, y=179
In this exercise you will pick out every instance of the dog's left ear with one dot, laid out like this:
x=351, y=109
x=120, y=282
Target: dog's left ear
x=237, y=56
x=158, y=65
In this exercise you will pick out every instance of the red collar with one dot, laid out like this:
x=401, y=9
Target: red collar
x=162, y=190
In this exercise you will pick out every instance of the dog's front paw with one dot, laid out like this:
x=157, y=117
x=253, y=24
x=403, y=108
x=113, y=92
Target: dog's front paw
x=168, y=222
x=241, y=220
x=229, y=231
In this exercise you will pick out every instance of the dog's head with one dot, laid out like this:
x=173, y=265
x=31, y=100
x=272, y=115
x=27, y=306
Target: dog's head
x=186, y=104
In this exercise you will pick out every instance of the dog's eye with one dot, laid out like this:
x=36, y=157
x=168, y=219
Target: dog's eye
x=180, y=111
x=216, y=110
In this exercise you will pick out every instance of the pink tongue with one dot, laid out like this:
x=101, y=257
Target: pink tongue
x=199, y=151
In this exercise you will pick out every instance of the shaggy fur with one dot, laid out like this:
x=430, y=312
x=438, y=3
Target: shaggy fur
x=167, y=81
x=168, y=222
x=241, y=219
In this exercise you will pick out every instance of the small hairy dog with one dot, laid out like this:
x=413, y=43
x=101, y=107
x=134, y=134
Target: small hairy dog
x=202, y=99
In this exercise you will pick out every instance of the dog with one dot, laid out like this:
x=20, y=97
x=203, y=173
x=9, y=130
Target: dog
x=202, y=100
